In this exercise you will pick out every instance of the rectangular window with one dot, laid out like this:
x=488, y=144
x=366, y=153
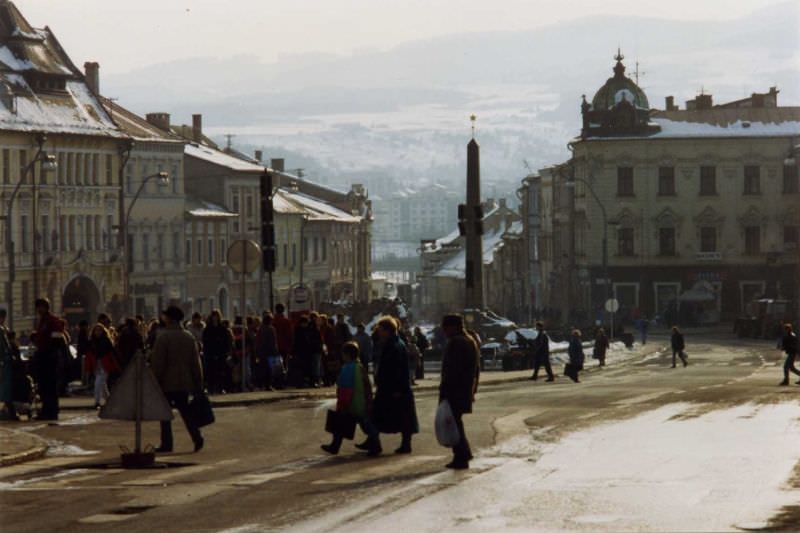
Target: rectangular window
x=96, y=169
x=223, y=251
x=305, y=250
x=160, y=247
x=666, y=181
x=61, y=171
x=109, y=232
x=324, y=249
x=69, y=172
x=173, y=178
x=708, y=239
x=708, y=181
x=294, y=255
x=109, y=169
x=625, y=239
x=24, y=233
x=790, y=237
x=146, y=250
x=98, y=233
x=6, y=166
x=45, y=233
x=26, y=298
x=666, y=241
x=188, y=252
x=752, y=179
x=285, y=255
x=199, y=251
x=790, y=183
x=248, y=206
x=131, y=252
x=752, y=240
x=62, y=233
x=316, y=249
x=235, y=203
x=176, y=248
x=78, y=169
x=23, y=163
x=210, y=252
x=625, y=181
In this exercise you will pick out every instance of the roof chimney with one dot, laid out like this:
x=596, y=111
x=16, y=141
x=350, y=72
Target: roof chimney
x=92, y=74
x=159, y=120
x=276, y=164
x=197, y=128
x=259, y=155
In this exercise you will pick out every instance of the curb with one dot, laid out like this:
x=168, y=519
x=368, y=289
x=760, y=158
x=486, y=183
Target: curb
x=31, y=454
x=239, y=402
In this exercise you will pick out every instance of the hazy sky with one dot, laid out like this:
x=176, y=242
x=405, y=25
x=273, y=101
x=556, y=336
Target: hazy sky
x=123, y=35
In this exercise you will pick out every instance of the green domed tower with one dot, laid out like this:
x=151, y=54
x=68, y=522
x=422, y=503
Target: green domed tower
x=619, y=107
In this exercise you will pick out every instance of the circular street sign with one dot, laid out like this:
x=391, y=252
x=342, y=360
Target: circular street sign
x=612, y=305
x=244, y=256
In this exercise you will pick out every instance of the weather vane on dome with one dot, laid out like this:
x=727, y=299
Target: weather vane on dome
x=619, y=56
x=472, y=119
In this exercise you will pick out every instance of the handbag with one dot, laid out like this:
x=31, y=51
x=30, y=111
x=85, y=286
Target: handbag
x=340, y=423
x=445, y=425
x=200, y=411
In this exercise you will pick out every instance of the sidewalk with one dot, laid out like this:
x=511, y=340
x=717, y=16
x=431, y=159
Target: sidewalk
x=20, y=446
x=431, y=383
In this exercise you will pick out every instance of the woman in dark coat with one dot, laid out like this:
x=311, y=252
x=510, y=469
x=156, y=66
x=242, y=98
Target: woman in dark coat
x=678, y=345
x=217, y=346
x=600, y=346
x=576, y=357
x=394, y=409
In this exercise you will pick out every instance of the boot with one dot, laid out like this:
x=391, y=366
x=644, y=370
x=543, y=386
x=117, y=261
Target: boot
x=405, y=446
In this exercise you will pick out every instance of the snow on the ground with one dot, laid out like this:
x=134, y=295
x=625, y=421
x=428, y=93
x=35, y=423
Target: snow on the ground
x=658, y=471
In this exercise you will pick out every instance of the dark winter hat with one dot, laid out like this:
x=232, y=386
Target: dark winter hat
x=173, y=312
x=453, y=321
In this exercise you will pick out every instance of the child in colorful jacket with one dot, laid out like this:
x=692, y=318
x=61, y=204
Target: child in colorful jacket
x=354, y=399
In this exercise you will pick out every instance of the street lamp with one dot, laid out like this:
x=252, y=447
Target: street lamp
x=606, y=281
x=163, y=178
x=48, y=163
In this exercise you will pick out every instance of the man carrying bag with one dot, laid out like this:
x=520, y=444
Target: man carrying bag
x=460, y=374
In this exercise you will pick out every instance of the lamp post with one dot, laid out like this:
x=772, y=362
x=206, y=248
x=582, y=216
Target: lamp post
x=48, y=164
x=163, y=177
x=606, y=281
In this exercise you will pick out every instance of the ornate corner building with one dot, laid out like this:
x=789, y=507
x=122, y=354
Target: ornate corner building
x=700, y=206
x=60, y=171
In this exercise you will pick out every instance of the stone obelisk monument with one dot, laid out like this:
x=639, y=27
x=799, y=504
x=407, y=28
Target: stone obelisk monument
x=474, y=298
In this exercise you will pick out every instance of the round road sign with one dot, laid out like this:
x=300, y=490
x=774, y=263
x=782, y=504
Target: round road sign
x=244, y=256
x=612, y=305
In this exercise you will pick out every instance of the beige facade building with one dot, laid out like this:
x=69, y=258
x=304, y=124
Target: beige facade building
x=59, y=238
x=700, y=210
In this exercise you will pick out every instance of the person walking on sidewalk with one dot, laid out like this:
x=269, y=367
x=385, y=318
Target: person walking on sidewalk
x=790, y=346
x=354, y=399
x=395, y=411
x=576, y=356
x=49, y=339
x=678, y=346
x=459, y=382
x=600, y=347
x=175, y=362
x=541, y=353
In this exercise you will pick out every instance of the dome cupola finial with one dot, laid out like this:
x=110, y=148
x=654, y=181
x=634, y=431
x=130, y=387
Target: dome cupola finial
x=619, y=68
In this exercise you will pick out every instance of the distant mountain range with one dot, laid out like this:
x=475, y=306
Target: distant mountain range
x=404, y=113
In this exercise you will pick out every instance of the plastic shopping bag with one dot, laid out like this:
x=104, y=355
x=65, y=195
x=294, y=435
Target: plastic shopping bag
x=446, y=430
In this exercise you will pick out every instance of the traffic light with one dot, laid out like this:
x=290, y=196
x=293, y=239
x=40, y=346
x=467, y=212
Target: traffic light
x=267, y=223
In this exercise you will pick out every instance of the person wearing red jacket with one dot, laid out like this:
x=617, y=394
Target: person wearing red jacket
x=283, y=331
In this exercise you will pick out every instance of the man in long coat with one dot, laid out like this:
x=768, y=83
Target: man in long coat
x=460, y=373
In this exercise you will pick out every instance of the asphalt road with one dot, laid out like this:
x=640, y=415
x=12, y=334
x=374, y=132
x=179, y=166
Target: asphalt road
x=262, y=468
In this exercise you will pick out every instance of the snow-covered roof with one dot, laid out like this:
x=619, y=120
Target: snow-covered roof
x=203, y=209
x=293, y=202
x=136, y=126
x=455, y=266
x=222, y=159
x=720, y=122
x=75, y=111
